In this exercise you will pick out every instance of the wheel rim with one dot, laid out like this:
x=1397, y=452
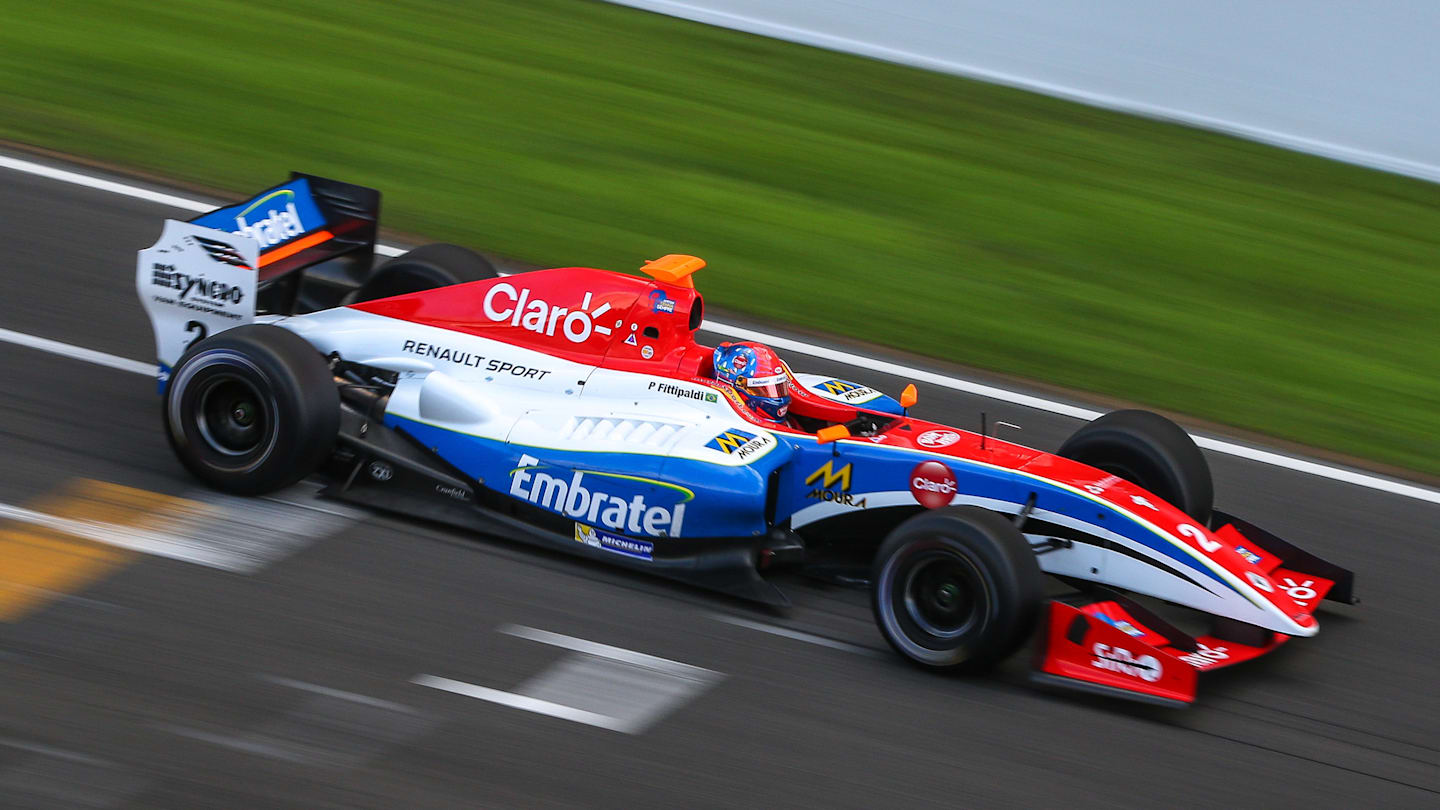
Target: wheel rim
x=231, y=416
x=943, y=595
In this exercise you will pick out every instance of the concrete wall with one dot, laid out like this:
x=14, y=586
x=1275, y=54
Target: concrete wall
x=1351, y=80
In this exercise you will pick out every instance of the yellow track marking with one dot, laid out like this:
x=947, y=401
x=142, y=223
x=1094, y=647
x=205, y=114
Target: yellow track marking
x=39, y=564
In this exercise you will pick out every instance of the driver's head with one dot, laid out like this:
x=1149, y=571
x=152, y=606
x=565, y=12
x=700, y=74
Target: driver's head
x=758, y=376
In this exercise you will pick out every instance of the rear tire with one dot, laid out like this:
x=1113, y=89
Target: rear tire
x=252, y=409
x=1151, y=452
x=956, y=589
x=425, y=268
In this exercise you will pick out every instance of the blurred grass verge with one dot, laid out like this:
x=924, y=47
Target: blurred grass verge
x=1188, y=271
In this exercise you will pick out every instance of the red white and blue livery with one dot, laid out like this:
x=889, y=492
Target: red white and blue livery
x=574, y=408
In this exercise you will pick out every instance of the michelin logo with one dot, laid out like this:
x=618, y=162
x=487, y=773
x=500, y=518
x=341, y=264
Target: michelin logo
x=528, y=482
x=598, y=538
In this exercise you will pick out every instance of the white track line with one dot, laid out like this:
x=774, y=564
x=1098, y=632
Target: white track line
x=341, y=694
x=800, y=635
x=75, y=178
x=88, y=355
x=1271, y=458
x=526, y=703
x=580, y=645
x=127, y=537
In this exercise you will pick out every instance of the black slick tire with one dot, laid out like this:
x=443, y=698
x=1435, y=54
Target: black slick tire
x=1150, y=451
x=425, y=268
x=956, y=589
x=252, y=409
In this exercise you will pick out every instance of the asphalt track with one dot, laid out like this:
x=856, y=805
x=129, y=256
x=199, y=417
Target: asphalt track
x=171, y=684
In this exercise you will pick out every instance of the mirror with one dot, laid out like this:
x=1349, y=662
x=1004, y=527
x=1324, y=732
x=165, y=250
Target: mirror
x=832, y=433
x=909, y=396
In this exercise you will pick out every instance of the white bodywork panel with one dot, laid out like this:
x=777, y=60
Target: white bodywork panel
x=494, y=390
x=193, y=282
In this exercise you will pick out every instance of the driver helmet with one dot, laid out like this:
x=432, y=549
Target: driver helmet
x=757, y=375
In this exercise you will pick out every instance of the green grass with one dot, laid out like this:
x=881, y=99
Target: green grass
x=1189, y=271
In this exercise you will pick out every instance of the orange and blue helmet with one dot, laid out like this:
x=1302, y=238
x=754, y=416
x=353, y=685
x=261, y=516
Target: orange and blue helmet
x=757, y=375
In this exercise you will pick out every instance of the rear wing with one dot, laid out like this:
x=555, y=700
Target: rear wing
x=301, y=223
x=218, y=270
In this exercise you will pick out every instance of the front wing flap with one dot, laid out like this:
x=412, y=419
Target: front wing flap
x=1116, y=647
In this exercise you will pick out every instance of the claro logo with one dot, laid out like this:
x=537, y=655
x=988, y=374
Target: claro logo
x=504, y=303
x=932, y=484
x=1118, y=659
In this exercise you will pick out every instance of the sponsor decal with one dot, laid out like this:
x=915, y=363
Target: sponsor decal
x=1141, y=500
x=832, y=485
x=271, y=226
x=683, y=392
x=601, y=539
x=222, y=252
x=734, y=397
x=932, y=484
x=630, y=341
x=1120, y=624
x=847, y=391
x=272, y=219
x=1260, y=582
x=1118, y=659
x=1205, y=656
x=1301, y=592
x=647, y=352
x=1099, y=487
x=937, y=438
x=187, y=286
x=583, y=496
x=381, y=471
x=774, y=379
x=505, y=303
x=1250, y=556
x=660, y=302
x=464, y=358
x=743, y=444
x=457, y=493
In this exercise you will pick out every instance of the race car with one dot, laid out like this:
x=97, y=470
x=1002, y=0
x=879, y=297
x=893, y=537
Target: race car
x=574, y=408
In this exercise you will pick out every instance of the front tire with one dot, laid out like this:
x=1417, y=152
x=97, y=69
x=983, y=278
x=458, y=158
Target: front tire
x=1151, y=452
x=252, y=409
x=956, y=589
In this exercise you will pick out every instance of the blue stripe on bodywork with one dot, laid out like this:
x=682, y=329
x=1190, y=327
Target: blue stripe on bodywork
x=729, y=501
x=877, y=468
x=719, y=500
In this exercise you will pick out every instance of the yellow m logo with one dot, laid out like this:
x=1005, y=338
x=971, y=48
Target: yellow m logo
x=730, y=442
x=828, y=476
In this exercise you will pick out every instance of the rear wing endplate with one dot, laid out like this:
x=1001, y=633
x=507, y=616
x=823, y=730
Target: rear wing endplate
x=216, y=271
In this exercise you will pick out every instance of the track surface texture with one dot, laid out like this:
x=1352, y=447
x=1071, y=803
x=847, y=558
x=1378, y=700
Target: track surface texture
x=169, y=684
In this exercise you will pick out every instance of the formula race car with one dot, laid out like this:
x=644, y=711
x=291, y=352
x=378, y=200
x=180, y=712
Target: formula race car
x=573, y=408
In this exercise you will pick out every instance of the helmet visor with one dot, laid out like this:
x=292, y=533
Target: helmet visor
x=773, y=386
